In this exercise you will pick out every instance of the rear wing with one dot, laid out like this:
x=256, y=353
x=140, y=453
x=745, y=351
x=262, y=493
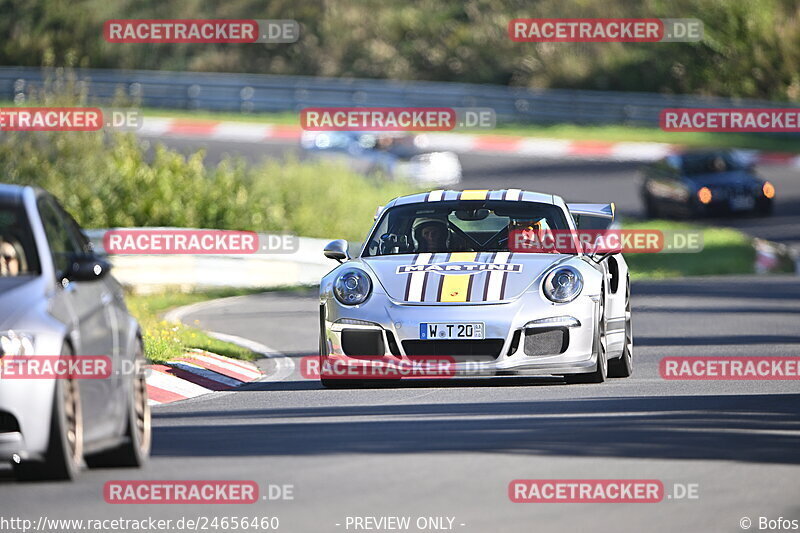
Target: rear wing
x=592, y=216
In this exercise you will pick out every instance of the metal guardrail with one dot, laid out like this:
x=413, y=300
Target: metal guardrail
x=265, y=93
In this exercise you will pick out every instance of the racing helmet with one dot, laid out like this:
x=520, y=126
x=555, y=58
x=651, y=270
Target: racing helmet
x=419, y=223
x=537, y=224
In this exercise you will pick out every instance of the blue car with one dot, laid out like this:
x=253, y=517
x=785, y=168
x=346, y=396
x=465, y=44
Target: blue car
x=705, y=183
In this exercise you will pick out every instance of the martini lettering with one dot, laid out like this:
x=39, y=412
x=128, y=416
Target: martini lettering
x=460, y=268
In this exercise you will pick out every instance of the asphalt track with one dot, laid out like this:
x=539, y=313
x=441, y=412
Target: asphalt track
x=452, y=449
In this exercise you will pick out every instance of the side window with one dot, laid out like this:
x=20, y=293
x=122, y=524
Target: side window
x=63, y=244
x=84, y=244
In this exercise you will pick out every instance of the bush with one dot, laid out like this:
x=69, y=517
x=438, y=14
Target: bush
x=751, y=48
x=725, y=251
x=116, y=180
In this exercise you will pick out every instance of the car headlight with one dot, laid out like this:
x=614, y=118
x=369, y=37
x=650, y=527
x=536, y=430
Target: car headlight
x=563, y=284
x=352, y=286
x=15, y=344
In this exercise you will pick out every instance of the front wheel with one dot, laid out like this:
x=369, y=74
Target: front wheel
x=136, y=448
x=623, y=367
x=650, y=209
x=64, y=456
x=599, y=348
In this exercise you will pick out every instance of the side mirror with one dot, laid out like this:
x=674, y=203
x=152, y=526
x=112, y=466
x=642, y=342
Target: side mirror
x=599, y=258
x=337, y=250
x=88, y=241
x=87, y=268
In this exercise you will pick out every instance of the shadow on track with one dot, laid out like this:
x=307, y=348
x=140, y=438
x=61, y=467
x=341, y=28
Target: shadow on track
x=784, y=287
x=750, y=428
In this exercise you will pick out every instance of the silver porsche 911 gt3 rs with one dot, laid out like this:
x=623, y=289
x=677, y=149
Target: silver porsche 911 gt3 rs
x=440, y=276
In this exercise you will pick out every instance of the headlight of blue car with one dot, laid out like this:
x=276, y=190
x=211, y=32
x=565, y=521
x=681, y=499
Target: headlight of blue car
x=563, y=284
x=352, y=286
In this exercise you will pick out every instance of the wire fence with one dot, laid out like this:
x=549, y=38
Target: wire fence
x=267, y=93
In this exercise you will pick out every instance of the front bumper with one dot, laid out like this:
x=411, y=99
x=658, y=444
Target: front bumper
x=397, y=327
x=723, y=204
x=25, y=405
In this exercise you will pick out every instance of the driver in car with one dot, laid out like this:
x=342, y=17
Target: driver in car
x=9, y=262
x=431, y=235
x=532, y=236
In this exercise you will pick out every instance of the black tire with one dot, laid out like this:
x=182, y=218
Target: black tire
x=337, y=383
x=650, y=209
x=64, y=456
x=765, y=210
x=623, y=366
x=600, y=373
x=135, y=451
x=334, y=383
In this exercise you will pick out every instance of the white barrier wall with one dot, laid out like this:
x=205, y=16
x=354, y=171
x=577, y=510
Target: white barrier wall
x=152, y=273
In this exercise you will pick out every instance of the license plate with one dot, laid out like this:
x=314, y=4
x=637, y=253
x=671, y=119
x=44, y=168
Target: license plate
x=742, y=202
x=451, y=330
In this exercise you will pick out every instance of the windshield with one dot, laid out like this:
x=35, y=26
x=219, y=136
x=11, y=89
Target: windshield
x=710, y=163
x=17, y=250
x=456, y=226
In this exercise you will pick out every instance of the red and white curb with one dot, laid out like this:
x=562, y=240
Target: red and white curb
x=216, y=130
x=456, y=142
x=197, y=373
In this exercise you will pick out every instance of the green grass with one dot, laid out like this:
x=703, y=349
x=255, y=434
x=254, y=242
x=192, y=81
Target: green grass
x=164, y=341
x=725, y=251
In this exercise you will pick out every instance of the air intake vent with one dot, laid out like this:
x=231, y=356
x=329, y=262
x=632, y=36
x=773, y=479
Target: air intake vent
x=546, y=342
x=362, y=342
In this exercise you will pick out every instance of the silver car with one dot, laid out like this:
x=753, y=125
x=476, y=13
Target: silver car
x=437, y=276
x=397, y=155
x=58, y=300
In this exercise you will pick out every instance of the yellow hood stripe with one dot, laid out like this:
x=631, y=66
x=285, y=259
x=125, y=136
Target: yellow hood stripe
x=474, y=194
x=455, y=287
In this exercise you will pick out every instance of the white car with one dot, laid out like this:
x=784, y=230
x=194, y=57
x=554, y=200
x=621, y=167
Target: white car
x=396, y=155
x=472, y=297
